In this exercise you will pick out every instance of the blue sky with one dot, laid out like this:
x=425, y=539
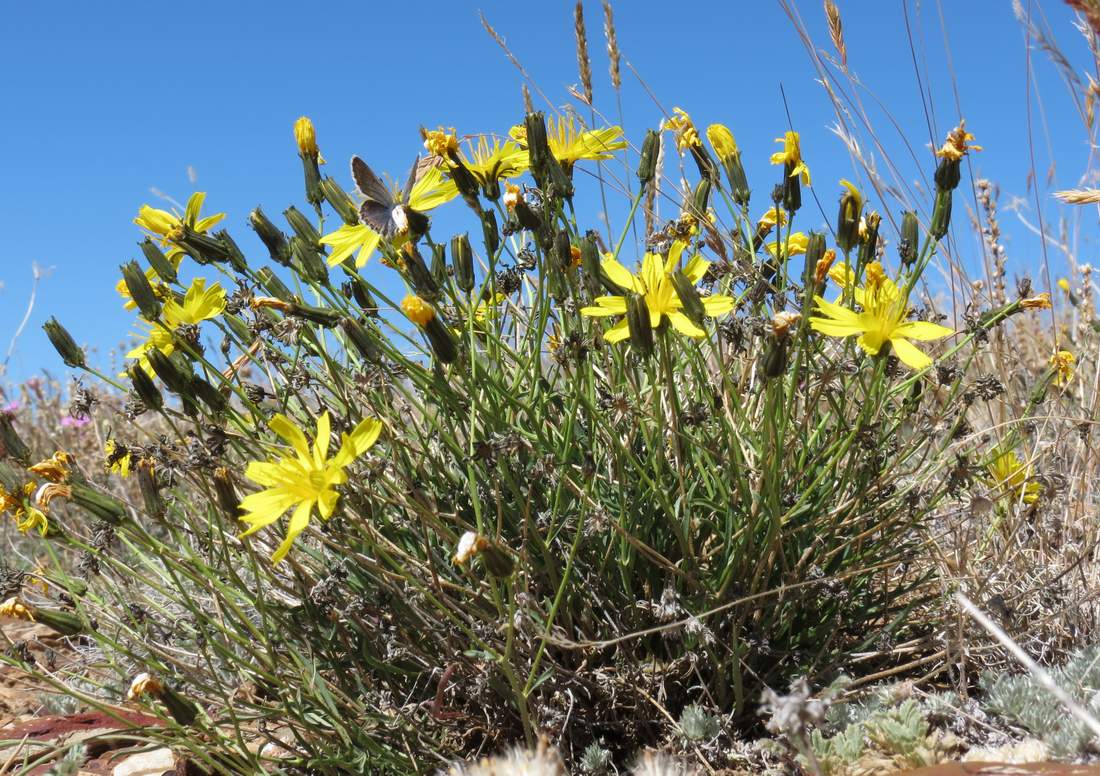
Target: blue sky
x=105, y=102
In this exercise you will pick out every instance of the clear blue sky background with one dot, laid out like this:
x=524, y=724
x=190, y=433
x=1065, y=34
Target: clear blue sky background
x=104, y=102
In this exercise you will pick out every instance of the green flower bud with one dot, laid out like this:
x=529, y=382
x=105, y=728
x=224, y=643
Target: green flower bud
x=203, y=248
x=701, y=198
x=158, y=261
x=439, y=263
x=335, y=195
x=443, y=344
x=637, y=320
x=647, y=163
x=489, y=231
x=11, y=444
x=775, y=358
x=548, y=173
x=273, y=285
x=271, y=236
x=302, y=226
x=175, y=376
x=462, y=261
x=226, y=493
x=420, y=277
x=97, y=503
x=868, y=245
x=309, y=260
x=941, y=215
x=141, y=291
x=144, y=387
x=64, y=344
x=364, y=339
x=232, y=250
x=689, y=297
x=910, y=239
x=590, y=265
x=847, y=220
x=150, y=490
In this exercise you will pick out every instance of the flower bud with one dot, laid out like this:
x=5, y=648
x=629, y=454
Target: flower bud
x=847, y=220
x=815, y=251
x=158, y=261
x=203, y=248
x=689, y=297
x=546, y=170
x=232, y=251
x=439, y=263
x=226, y=493
x=95, y=502
x=273, y=285
x=306, y=138
x=638, y=323
x=423, y=315
x=910, y=239
x=418, y=273
x=65, y=623
x=271, y=236
x=721, y=140
x=490, y=233
x=948, y=174
x=302, y=226
x=144, y=387
x=590, y=265
x=209, y=395
x=168, y=369
x=701, y=198
x=11, y=444
x=647, y=163
x=941, y=215
x=868, y=245
x=562, y=253
x=141, y=291
x=340, y=201
x=150, y=490
x=462, y=261
x=361, y=338
x=64, y=344
x=775, y=358
x=497, y=561
x=309, y=259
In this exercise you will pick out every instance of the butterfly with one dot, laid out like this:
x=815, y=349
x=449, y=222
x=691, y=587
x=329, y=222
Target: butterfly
x=380, y=211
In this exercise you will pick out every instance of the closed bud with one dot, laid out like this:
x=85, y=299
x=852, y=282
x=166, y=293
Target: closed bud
x=790, y=189
x=306, y=138
x=363, y=297
x=847, y=221
x=302, y=226
x=948, y=174
x=590, y=265
x=158, y=261
x=910, y=239
x=721, y=140
x=150, y=490
x=526, y=216
x=64, y=344
x=703, y=162
x=775, y=358
x=141, y=290
x=97, y=503
x=563, y=255
x=340, y=201
x=65, y=623
x=183, y=710
x=439, y=263
x=209, y=395
x=225, y=491
x=467, y=186
x=638, y=323
x=462, y=261
x=233, y=251
x=203, y=248
x=489, y=231
x=701, y=198
x=941, y=215
x=689, y=297
x=171, y=372
x=647, y=163
x=361, y=338
x=144, y=387
x=420, y=277
x=273, y=285
x=11, y=444
x=546, y=170
x=271, y=236
x=309, y=260
x=815, y=252
x=868, y=241
x=443, y=344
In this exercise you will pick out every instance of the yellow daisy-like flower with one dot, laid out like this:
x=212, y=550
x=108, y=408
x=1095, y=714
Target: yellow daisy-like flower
x=350, y=238
x=489, y=161
x=1063, y=363
x=305, y=478
x=569, y=146
x=654, y=283
x=160, y=289
x=1009, y=474
x=166, y=226
x=795, y=245
x=882, y=319
x=440, y=142
x=1040, y=302
x=199, y=304
x=792, y=155
x=687, y=137
x=773, y=216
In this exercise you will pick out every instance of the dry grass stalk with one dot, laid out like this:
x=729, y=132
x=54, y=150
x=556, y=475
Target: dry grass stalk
x=613, y=54
x=1090, y=9
x=836, y=31
x=528, y=106
x=1078, y=196
x=584, y=64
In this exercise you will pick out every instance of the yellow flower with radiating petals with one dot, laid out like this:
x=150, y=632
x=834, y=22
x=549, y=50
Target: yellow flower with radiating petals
x=491, y=161
x=440, y=142
x=350, y=238
x=200, y=303
x=687, y=137
x=569, y=146
x=792, y=155
x=654, y=283
x=795, y=245
x=882, y=318
x=1063, y=363
x=166, y=226
x=1011, y=476
x=304, y=479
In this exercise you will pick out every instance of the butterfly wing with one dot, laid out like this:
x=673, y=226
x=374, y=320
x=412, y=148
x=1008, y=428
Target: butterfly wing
x=377, y=217
x=369, y=184
x=411, y=180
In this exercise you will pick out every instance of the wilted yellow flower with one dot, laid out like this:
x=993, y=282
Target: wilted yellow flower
x=721, y=140
x=821, y=271
x=1008, y=473
x=783, y=321
x=795, y=245
x=1040, y=302
x=654, y=283
x=469, y=545
x=1063, y=363
x=118, y=458
x=169, y=226
x=306, y=137
x=687, y=136
x=144, y=684
x=792, y=155
x=771, y=217
x=881, y=321
x=56, y=468
x=957, y=144
x=439, y=142
x=22, y=508
x=418, y=311
x=511, y=195
x=33, y=519
x=304, y=479
x=17, y=609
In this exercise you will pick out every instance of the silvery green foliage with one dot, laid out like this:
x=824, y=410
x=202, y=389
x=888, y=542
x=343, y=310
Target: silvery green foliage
x=893, y=728
x=595, y=759
x=839, y=751
x=69, y=765
x=899, y=730
x=1021, y=701
x=697, y=724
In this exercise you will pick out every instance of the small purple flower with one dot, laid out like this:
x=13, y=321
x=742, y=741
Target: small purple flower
x=68, y=421
x=11, y=406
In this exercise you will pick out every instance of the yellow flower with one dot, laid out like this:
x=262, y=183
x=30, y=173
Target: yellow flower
x=439, y=142
x=350, y=238
x=33, y=520
x=304, y=479
x=1063, y=363
x=306, y=138
x=1008, y=473
x=956, y=146
x=418, y=311
x=795, y=245
x=1064, y=285
x=775, y=215
x=1040, y=302
x=881, y=321
x=721, y=140
x=169, y=226
x=27, y=516
x=488, y=309
x=511, y=195
x=791, y=155
x=199, y=304
x=569, y=146
x=654, y=283
x=824, y=265
x=489, y=163
x=117, y=458
x=56, y=468
x=687, y=136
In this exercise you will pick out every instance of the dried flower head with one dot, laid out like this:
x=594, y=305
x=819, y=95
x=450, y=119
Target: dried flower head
x=957, y=144
x=1063, y=363
x=144, y=684
x=1040, y=302
x=686, y=135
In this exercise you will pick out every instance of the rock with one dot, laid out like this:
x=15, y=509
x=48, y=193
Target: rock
x=1006, y=769
x=156, y=762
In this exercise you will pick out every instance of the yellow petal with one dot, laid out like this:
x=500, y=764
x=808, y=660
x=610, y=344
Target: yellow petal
x=696, y=268
x=620, y=275
x=294, y=436
x=683, y=324
x=298, y=522
x=717, y=304
x=618, y=332
x=909, y=354
x=320, y=442
x=922, y=330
